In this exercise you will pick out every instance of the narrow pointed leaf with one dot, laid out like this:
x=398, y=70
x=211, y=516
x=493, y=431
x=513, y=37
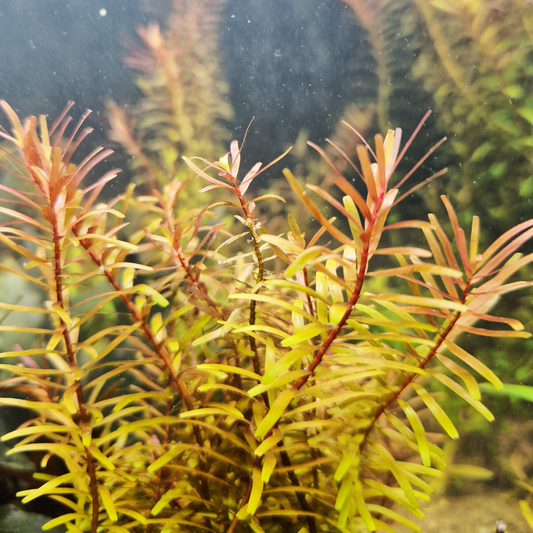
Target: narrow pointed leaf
x=336, y=233
x=418, y=430
x=437, y=411
x=276, y=412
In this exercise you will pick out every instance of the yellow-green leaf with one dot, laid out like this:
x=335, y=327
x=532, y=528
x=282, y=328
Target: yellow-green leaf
x=275, y=413
x=474, y=363
x=48, y=487
x=229, y=369
x=362, y=508
x=208, y=411
x=268, y=443
x=269, y=463
x=285, y=378
x=150, y=291
x=308, y=333
x=63, y=519
x=393, y=515
x=462, y=393
x=437, y=411
x=257, y=491
x=109, y=506
x=418, y=430
x=526, y=512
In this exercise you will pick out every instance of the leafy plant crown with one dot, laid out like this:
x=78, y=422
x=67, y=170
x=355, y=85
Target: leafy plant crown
x=288, y=386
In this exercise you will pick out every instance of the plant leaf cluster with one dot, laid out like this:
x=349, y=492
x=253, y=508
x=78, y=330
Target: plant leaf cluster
x=285, y=386
x=473, y=61
x=184, y=103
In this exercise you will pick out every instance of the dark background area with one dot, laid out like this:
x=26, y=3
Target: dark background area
x=54, y=51
x=292, y=64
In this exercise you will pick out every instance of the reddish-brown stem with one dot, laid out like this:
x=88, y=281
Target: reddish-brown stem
x=175, y=379
x=260, y=268
x=335, y=331
x=58, y=274
x=194, y=279
x=442, y=336
x=137, y=315
x=245, y=498
x=322, y=350
x=309, y=301
x=94, y=490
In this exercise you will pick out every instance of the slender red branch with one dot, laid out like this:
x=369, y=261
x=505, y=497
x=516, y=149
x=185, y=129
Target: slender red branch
x=335, y=331
x=137, y=315
x=442, y=336
x=84, y=419
x=175, y=379
x=245, y=498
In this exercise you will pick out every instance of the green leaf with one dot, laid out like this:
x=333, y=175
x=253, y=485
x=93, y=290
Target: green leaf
x=434, y=270
x=474, y=363
x=280, y=381
x=362, y=507
x=285, y=244
x=527, y=113
x=48, y=487
x=301, y=261
x=101, y=457
x=335, y=232
x=257, y=491
x=516, y=392
x=418, y=430
x=275, y=413
x=275, y=301
x=437, y=411
x=268, y=443
x=60, y=520
x=395, y=494
x=208, y=337
x=418, y=300
x=474, y=472
x=176, y=449
x=150, y=291
x=527, y=513
x=209, y=411
x=462, y=393
x=389, y=513
x=350, y=458
x=261, y=327
x=297, y=287
x=396, y=471
x=283, y=364
x=308, y=333
x=342, y=397
x=105, y=497
x=229, y=369
x=469, y=380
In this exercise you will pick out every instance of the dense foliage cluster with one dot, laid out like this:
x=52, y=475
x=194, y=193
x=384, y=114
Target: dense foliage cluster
x=243, y=380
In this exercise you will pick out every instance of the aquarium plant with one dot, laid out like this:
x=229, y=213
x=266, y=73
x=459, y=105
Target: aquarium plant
x=470, y=61
x=184, y=105
x=242, y=380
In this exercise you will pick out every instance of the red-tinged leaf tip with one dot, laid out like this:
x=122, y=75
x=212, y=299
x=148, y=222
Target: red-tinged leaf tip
x=235, y=158
x=247, y=180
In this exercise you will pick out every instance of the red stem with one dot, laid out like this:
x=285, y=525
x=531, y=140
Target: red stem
x=335, y=331
x=409, y=379
x=91, y=468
